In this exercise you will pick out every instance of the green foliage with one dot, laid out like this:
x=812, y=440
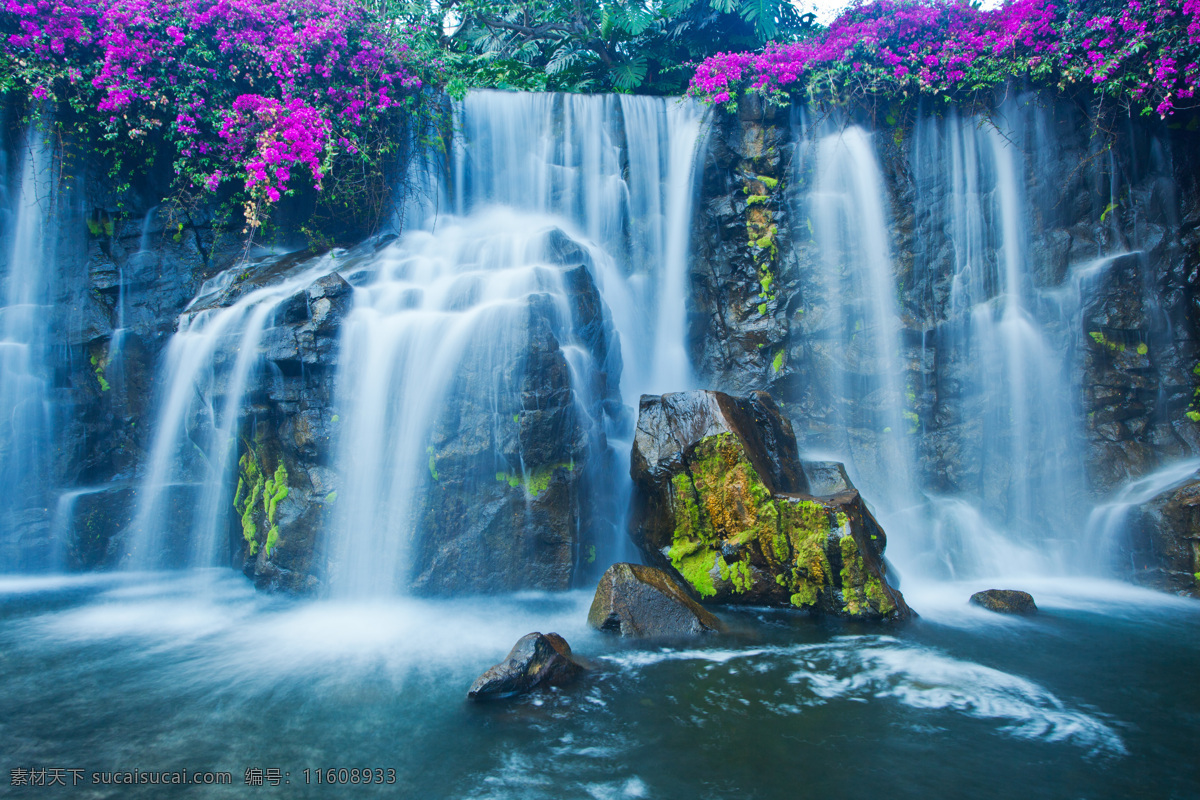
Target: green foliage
x=604, y=45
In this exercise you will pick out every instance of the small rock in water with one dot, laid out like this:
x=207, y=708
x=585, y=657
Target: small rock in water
x=1005, y=601
x=643, y=601
x=536, y=660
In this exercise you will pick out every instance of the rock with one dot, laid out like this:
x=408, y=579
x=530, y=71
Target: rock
x=721, y=500
x=634, y=600
x=1005, y=601
x=536, y=660
x=1162, y=549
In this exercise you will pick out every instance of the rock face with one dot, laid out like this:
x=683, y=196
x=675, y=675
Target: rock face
x=1005, y=601
x=721, y=500
x=634, y=600
x=1163, y=549
x=536, y=660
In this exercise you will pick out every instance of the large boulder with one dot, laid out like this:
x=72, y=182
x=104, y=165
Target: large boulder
x=635, y=600
x=1162, y=548
x=536, y=660
x=721, y=500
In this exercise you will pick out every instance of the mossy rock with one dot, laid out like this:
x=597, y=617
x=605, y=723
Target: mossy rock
x=722, y=502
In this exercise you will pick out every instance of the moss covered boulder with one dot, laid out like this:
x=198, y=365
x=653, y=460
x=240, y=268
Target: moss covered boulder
x=721, y=500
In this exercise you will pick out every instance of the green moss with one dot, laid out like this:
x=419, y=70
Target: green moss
x=433, y=473
x=534, y=482
x=805, y=595
x=762, y=309
x=99, y=361
x=591, y=556
x=272, y=540
x=274, y=491
x=769, y=182
x=777, y=363
x=755, y=199
x=878, y=596
x=1194, y=416
x=695, y=563
x=331, y=497
x=853, y=578
x=1143, y=349
x=1100, y=339
x=335, y=418
x=738, y=573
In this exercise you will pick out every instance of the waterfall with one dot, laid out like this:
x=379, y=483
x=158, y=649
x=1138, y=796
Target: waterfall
x=969, y=444
x=857, y=295
x=184, y=498
x=433, y=388
x=26, y=305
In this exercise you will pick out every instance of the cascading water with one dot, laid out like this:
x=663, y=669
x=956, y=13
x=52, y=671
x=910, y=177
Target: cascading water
x=184, y=498
x=991, y=479
x=433, y=357
x=857, y=294
x=25, y=373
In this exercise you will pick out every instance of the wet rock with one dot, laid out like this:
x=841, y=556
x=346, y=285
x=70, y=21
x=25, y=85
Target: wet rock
x=509, y=504
x=1005, y=601
x=1162, y=549
x=634, y=600
x=536, y=660
x=721, y=500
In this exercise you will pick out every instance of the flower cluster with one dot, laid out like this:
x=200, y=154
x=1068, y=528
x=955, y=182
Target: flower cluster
x=245, y=90
x=1145, y=51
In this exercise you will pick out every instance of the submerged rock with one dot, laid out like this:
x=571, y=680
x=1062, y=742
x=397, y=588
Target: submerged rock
x=536, y=659
x=721, y=500
x=1005, y=601
x=635, y=600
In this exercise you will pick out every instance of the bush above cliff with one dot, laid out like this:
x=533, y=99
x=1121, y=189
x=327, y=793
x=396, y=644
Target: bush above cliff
x=259, y=94
x=1142, y=53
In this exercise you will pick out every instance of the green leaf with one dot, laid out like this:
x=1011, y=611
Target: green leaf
x=761, y=13
x=629, y=74
x=633, y=19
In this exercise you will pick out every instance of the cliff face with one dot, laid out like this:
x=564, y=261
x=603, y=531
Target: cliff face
x=1001, y=309
x=998, y=307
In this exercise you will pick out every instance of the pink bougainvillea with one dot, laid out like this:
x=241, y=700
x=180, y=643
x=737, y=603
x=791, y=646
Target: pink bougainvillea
x=251, y=90
x=1146, y=51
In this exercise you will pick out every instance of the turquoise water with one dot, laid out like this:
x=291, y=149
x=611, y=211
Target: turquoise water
x=1095, y=697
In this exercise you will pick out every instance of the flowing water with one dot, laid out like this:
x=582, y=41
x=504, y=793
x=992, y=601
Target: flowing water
x=1092, y=698
x=184, y=497
x=612, y=175
x=192, y=669
x=26, y=379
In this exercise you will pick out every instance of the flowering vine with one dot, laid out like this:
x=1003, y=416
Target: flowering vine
x=252, y=92
x=1145, y=52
